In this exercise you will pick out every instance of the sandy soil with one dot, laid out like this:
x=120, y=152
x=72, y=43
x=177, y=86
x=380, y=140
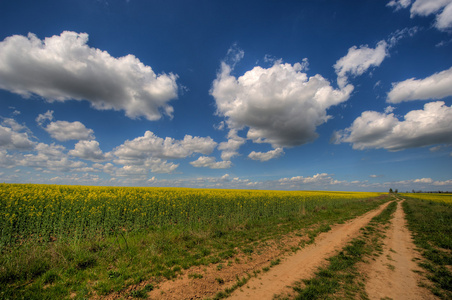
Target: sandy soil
x=304, y=263
x=392, y=275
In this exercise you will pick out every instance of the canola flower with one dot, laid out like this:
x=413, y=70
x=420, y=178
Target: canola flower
x=58, y=212
x=435, y=197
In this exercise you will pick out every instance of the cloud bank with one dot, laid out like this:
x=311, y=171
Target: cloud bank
x=63, y=67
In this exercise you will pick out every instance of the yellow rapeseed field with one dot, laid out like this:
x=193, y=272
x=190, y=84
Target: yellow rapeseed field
x=436, y=197
x=47, y=212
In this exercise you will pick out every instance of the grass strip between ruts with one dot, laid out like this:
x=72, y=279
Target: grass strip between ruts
x=341, y=279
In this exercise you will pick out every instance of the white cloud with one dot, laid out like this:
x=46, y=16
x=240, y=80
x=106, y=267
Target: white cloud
x=436, y=86
x=209, y=162
x=50, y=158
x=6, y=160
x=376, y=176
x=399, y=4
x=42, y=118
x=428, y=7
x=444, y=19
x=151, y=145
x=265, y=156
x=424, y=183
x=359, y=60
x=86, y=178
x=443, y=182
x=399, y=34
x=317, y=179
x=152, y=151
x=65, y=131
x=279, y=105
x=64, y=67
x=423, y=180
x=230, y=148
x=132, y=171
x=442, y=9
x=88, y=150
x=154, y=165
x=12, y=138
x=373, y=130
x=157, y=165
x=389, y=109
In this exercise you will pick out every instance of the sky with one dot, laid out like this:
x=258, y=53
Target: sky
x=290, y=95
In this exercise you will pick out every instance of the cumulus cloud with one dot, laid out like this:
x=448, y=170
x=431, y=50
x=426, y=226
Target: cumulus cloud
x=6, y=160
x=279, y=105
x=157, y=165
x=266, y=156
x=436, y=86
x=88, y=150
x=230, y=148
x=209, y=162
x=374, y=130
x=320, y=178
x=426, y=182
x=359, y=60
x=151, y=145
x=86, y=178
x=442, y=9
x=64, y=67
x=13, y=137
x=152, y=151
x=50, y=158
x=63, y=130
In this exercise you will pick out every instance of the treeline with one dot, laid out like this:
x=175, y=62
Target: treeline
x=391, y=191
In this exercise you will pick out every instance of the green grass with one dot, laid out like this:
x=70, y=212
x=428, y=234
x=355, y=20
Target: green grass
x=104, y=264
x=340, y=279
x=431, y=224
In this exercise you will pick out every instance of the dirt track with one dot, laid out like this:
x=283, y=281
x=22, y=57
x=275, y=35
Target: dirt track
x=391, y=275
x=300, y=265
x=304, y=263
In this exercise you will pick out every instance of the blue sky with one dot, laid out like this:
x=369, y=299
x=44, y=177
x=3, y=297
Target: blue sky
x=299, y=95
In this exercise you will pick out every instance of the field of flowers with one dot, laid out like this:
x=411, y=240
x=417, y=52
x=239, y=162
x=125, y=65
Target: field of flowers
x=60, y=241
x=52, y=212
x=435, y=197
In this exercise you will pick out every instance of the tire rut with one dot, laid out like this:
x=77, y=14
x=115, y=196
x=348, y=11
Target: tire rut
x=393, y=274
x=305, y=262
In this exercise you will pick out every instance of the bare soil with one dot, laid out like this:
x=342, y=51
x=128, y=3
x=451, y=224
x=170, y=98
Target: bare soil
x=395, y=274
x=304, y=263
x=293, y=267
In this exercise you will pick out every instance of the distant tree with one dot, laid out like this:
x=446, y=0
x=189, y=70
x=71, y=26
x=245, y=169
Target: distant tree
x=390, y=191
x=396, y=191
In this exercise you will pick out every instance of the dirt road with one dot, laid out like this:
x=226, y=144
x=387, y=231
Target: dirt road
x=300, y=265
x=305, y=262
x=392, y=275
